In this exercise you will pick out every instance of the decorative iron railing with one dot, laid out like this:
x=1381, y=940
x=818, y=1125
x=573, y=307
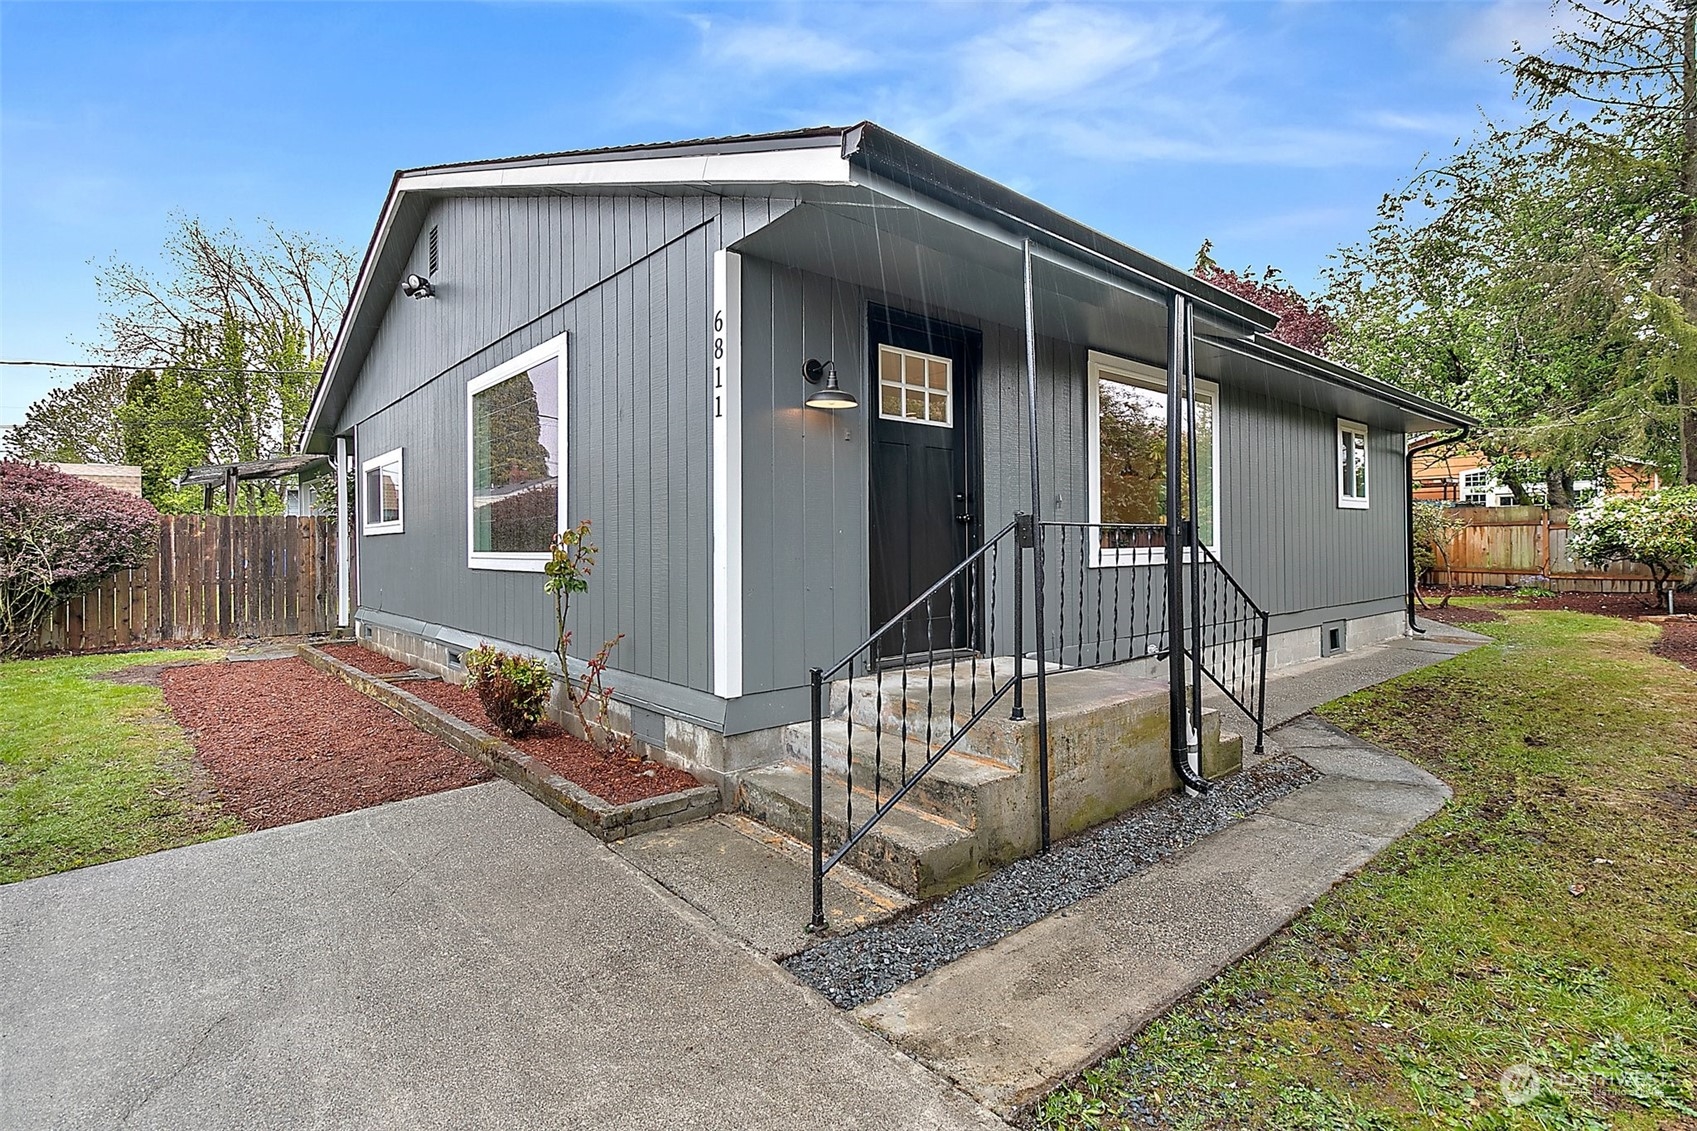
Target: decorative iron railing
x=896, y=712
x=1107, y=593
x=908, y=702
x=1230, y=642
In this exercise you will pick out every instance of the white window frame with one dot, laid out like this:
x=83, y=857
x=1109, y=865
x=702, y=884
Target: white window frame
x=1352, y=428
x=1480, y=487
x=948, y=420
x=555, y=349
x=1148, y=376
x=377, y=463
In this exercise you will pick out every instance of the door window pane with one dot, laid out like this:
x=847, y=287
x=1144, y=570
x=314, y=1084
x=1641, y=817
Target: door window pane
x=915, y=387
x=515, y=471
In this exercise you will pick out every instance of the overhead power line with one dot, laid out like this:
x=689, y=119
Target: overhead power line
x=155, y=368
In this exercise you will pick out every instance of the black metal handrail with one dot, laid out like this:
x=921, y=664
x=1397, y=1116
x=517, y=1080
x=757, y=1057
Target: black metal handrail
x=1111, y=607
x=1231, y=642
x=966, y=600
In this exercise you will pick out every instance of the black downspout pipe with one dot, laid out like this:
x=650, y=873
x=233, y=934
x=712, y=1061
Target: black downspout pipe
x=1414, y=450
x=1038, y=576
x=1178, y=364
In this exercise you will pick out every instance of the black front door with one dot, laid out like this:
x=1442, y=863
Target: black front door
x=924, y=494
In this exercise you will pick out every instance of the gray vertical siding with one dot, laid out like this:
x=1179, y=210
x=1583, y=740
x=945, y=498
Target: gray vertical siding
x=1284, y=537
x=630, y=279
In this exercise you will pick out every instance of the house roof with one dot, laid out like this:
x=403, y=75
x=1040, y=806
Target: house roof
x=858, y=155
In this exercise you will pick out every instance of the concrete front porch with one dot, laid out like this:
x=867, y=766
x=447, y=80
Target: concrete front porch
x=978, y=807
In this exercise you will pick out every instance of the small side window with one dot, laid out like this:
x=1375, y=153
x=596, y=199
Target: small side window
x=380, y=487
x=1352, y=464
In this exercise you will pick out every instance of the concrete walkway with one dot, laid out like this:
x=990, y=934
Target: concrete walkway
x=468, y=960
x=1010, y=1021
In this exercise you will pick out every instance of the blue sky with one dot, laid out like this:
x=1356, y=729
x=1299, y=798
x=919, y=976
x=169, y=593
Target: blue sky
x=1273, y=129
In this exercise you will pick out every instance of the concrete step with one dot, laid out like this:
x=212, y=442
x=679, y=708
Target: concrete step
x=961, y=787
x=911, y=850
x=1223, y=756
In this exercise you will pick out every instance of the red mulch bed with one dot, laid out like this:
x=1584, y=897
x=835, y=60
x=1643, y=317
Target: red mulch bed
x=363, y=658
x=615, y=778
x=285, y=742
x=1678, y=642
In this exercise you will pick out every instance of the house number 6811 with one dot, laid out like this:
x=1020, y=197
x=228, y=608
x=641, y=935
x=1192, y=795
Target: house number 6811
x=718, y=363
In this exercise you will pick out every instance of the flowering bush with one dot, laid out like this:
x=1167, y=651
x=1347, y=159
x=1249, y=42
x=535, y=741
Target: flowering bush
x=61, y=536
x=513, y=689
x=1658, y=530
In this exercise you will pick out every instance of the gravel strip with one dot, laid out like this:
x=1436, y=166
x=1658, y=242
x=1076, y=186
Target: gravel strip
x=871, y=962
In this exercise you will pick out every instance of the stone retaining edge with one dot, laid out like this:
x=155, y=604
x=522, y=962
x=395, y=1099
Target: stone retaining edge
x=600, y=818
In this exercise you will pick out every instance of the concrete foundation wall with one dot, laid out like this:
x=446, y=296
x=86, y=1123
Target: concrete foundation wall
x=704, y=751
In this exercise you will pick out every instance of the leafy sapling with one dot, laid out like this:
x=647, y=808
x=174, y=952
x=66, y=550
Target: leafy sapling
x=570, y=562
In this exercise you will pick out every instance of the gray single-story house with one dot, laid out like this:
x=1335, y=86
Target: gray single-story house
x=621, y=335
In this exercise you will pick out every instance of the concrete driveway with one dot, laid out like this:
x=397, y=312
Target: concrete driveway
x=464, y=960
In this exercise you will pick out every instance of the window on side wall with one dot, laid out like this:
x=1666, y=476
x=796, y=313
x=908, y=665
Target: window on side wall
x=516, y=440
x=1128, y=460
x=1475, y=488
x=1352, y=464
x=380, y=480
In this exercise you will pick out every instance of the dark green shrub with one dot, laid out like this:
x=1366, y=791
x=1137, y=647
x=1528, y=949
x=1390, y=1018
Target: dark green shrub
x=513, y=689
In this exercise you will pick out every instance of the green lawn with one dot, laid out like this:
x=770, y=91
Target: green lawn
x=1545, y=921
x=92, y=771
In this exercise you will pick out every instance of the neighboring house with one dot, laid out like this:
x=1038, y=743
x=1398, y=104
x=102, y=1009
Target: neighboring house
x=118, y=476
x=621, y=335
x=1463, y=476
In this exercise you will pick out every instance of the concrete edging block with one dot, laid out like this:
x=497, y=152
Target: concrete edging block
x=600, y=818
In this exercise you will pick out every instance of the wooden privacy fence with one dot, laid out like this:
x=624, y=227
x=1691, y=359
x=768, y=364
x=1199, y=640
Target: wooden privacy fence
x=1515, y=545
x=213, y=576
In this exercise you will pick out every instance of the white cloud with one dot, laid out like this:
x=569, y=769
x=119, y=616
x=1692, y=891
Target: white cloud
x=1123, y=85
x=784, y=48
x=1069, y=52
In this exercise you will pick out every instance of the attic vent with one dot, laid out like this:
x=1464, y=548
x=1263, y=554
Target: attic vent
x=435, y=258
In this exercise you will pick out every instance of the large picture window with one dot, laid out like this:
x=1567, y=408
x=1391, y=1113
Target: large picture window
x=1128, y=457
x=516, y=440
x=380, y=480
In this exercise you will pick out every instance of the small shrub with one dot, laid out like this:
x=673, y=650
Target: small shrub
x=1436, y=527
x=513, y=689
x=1531, y=591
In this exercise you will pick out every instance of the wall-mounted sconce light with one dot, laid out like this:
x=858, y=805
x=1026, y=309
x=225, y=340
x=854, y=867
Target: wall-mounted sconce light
x=832, y=396
x=417, y=286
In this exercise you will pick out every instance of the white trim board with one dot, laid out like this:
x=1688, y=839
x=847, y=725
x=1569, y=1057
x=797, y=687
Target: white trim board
x=557, y=347
x=725, y=361
x=809, y=165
